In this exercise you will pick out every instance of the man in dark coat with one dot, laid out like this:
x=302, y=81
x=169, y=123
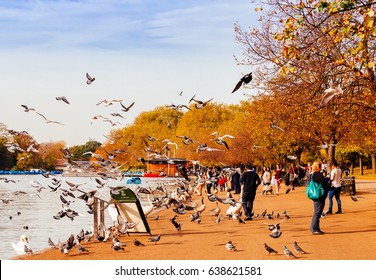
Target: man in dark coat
x=250, y=181
x=235, y=181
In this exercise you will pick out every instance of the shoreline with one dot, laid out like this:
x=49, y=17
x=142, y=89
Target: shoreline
x=206, y=241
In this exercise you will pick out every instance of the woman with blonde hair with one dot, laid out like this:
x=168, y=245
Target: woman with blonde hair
x=318, y=204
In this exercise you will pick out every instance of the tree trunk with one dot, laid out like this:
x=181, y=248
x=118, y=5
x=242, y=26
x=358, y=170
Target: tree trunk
x=361, y=165
x=373, y=158
x=330, y=156
x=352, y=168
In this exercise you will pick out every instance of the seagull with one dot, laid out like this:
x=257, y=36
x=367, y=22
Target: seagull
x=329, y=93
x=126, y=109
x=47, y=120
x=287, y=252
x=298, y=249
x=117, y=115
x=151, y=138
x=186, y=140
x=326, y=146
x=200, y=104
x=274, y=126
x=219, y=139
x=270, y=249
x=81, y=249
x=50, y=243
x=246, y=79
x=89, y=79
x=154, y=239
x=27, y=109
x=62, y=98
x=230, y=247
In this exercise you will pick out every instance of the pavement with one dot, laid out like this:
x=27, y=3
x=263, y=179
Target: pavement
x=365, y=186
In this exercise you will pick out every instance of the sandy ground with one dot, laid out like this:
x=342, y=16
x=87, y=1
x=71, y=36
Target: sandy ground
x=348, y=236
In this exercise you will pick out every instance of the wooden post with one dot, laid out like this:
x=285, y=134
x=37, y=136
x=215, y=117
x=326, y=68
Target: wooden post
x=101, y=216
x=95, y=216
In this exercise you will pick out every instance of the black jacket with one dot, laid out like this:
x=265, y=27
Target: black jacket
x=251, y=181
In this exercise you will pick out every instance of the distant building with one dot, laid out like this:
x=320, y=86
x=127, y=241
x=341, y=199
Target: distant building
x=165, y=166
x=61, y=164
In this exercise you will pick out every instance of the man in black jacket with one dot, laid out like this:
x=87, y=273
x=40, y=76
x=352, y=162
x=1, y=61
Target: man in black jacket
x=250, y=181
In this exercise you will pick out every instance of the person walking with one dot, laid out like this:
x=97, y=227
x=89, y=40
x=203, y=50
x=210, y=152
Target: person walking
x=250, y=181
x=318, y=204
x=235, y=181
x=266, y=181
x=293, y=176
x=278, y=178
x=335, y=189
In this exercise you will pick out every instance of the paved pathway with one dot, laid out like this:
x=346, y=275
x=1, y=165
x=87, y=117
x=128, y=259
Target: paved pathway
x=365, y=186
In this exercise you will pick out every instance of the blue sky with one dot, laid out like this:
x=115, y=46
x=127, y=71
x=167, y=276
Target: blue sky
x=141, y=51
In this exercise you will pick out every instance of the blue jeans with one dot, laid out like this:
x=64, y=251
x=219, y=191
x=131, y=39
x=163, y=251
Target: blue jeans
x=336, y=192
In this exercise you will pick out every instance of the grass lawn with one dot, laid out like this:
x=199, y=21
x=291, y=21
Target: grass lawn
x=367, y=174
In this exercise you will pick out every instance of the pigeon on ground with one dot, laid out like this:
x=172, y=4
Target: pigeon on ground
x=137, y=243
x=154, y=239
x=270, y=249
x=288, y=253
x=298, y=249
x=230, y=247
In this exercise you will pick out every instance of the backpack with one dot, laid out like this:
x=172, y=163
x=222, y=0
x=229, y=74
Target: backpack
x=314, y=190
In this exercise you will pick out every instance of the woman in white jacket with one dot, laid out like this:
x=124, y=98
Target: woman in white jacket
x=266, y=182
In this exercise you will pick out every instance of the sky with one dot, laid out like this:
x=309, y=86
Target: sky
x=139, y=51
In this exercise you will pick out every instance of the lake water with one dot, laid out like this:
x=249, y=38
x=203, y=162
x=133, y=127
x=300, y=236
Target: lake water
x=28, y=214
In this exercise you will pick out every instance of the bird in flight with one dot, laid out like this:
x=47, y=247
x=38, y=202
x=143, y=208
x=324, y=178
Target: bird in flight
x=126, y=109
x=329, y=93
x=246, y=79
x=199, y=104
x=47, y=120
x=27, y=109
x=62, y=98
x=274, y=126
x=89, y=79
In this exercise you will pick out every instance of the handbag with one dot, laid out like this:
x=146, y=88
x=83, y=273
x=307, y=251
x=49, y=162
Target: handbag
x=314, y=190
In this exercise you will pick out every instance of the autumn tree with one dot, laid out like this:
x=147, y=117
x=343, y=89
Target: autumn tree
x=301, y=49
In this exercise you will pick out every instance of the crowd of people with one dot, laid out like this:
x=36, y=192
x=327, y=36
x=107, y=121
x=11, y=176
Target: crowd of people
x=246, y=182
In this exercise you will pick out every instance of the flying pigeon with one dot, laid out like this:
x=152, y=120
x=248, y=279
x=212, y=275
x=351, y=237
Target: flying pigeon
x=246, y=79
x=89, y=79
